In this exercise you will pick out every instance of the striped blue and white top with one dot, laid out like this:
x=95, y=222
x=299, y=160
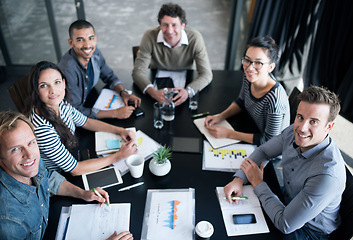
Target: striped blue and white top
x=270, y=112
x=52, y=150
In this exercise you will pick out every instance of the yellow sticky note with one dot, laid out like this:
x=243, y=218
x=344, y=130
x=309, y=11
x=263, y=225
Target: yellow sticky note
x=139, y=141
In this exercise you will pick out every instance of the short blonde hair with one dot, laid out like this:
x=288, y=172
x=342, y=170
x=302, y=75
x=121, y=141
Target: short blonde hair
x=9, y=121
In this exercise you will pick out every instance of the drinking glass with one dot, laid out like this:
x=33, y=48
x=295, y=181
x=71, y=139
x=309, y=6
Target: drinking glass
x=157, y=115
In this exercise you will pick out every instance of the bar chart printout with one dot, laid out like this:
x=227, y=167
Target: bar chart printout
x=226, y=159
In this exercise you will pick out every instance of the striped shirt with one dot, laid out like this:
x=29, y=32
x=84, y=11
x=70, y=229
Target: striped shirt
x=270, y=112
x=52, y=150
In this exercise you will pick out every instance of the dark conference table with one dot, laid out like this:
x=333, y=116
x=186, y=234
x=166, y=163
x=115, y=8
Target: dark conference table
x=186, y=169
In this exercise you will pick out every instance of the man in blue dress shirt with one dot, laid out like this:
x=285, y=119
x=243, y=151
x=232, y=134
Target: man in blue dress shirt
x=313, y=170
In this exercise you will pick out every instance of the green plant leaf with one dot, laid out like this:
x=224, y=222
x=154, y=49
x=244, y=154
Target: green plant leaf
x=162, y=154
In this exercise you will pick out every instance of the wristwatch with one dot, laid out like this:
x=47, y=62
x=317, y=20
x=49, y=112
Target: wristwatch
x=124, y=90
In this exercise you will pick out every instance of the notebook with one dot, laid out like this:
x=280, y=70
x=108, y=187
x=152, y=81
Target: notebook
x=109, y=142
x=215, y=142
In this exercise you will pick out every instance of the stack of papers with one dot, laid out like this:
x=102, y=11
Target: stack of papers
x=146, y=145
x=247, y=206
x=92, y=222
x=215, y=142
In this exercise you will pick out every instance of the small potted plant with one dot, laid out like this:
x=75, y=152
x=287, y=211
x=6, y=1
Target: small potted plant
x=160, y=164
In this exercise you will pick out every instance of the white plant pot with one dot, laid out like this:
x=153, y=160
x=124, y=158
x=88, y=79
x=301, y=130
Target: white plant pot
x=159, y=169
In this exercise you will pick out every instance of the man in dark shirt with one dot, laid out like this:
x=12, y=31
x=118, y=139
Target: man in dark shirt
x=83, y=66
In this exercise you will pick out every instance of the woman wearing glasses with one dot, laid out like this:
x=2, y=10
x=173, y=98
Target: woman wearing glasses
x=261, y=96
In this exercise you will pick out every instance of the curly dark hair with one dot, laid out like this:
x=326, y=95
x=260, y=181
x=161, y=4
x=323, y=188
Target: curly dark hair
x=172, y=10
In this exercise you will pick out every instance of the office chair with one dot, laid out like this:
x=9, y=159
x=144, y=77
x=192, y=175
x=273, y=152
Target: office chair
x=134, y=52
x=345, y=230
x=19, y=93
x=293, y=103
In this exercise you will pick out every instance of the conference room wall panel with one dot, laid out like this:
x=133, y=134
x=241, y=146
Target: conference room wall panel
x=121, y=25
x=37, y=30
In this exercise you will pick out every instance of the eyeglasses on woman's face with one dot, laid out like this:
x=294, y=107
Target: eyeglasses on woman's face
x=255, y=64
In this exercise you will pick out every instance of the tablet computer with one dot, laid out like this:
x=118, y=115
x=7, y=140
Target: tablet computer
x=164, y=82
x=103, y=178
x=186, y=144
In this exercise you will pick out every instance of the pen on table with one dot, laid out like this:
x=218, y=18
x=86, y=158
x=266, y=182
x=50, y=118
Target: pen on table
x=200, y=114
x=99, y=195
x=238, y=198
x=129, y=187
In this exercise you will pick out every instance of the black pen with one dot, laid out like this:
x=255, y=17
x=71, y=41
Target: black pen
x=200, y=114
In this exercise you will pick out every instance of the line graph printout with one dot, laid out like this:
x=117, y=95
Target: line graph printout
x=226, y=159
x=169, y=214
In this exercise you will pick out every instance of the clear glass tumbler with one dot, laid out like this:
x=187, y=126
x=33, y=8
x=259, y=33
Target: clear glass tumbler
x=157, y=116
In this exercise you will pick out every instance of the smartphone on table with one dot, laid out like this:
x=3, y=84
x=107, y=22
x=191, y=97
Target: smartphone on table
x=138, y=112
x=244, y=218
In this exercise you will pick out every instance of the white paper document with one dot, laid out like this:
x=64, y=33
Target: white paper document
x=178, y=77
x=169, y=215
x=90, y=221
x=226, y=159
x=108, y=99
x=215, y=142
x=247, y=206
x=63, y=221
x=145, y=145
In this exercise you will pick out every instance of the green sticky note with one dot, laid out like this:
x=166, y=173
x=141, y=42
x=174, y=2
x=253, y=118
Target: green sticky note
x=113, y=144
